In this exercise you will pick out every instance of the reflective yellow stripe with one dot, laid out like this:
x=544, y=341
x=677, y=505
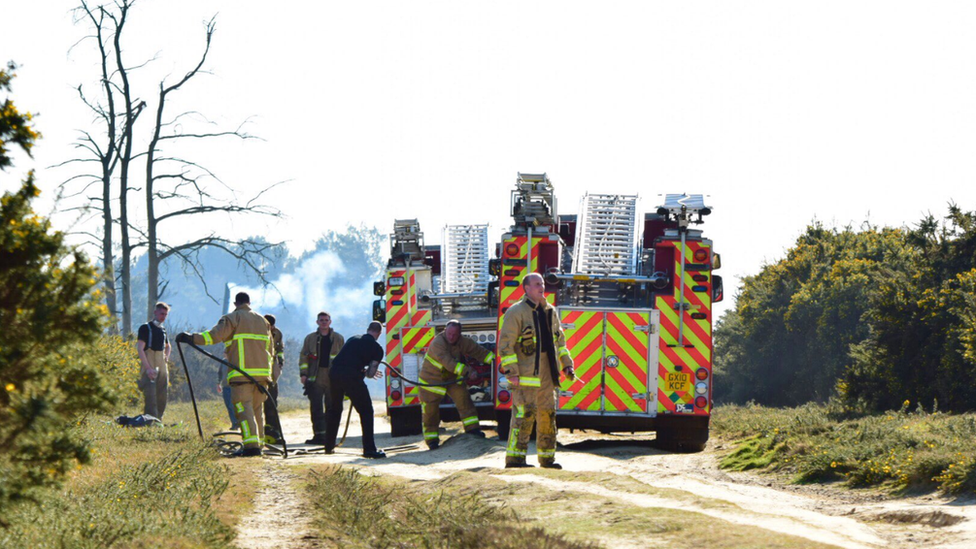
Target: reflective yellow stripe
x=530, y=382
x=563, y=351
x=435, y=363
x=459, y=368
x=473, y=420
x=207, y=339
x=435, y=390
x=490, y=359
x=547, y=453
x=512, y=441
x=509, y=359
x=258, y=337
x=242, y=362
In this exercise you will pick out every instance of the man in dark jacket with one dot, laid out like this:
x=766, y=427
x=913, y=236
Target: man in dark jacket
x=360, y=357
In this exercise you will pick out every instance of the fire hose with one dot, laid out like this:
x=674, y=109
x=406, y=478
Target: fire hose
x=264, y=390
x=419, y=383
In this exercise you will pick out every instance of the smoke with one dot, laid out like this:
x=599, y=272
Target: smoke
x=319, y=282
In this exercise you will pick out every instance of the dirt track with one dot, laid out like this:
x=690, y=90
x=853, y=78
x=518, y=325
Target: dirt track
x=828, y=515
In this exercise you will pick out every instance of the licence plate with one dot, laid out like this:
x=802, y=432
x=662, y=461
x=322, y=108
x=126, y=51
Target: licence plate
x=677, y=381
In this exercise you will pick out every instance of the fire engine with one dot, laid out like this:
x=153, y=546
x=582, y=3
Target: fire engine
x=634, y=296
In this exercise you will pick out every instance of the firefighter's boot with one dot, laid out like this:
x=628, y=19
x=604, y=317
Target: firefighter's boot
x=433, y=444
x=550, y=465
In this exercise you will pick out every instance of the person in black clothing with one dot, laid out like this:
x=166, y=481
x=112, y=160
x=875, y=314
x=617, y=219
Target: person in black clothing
x=359, y=357
x=153, y=347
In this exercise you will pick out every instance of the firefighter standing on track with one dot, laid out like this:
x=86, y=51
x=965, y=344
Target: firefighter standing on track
x=444, y=362
x=314, y=361
x=247, y=340
x=529, y=346
x=271, y=434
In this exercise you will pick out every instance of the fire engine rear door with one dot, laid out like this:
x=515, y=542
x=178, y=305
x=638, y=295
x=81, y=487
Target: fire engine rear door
x=626, y=363
x=584, y=339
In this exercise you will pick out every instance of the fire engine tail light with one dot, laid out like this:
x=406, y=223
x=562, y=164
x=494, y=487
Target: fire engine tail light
x=395, y=395
x=511, y=250
x=701, y=402
x=702, y=374
x=504, y=396
x=701, y=255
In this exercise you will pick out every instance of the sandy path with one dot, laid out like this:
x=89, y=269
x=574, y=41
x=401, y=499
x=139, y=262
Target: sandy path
x=277, y=520
x=861, y=520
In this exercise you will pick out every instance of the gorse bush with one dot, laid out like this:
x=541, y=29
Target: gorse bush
x=874, y=316
x=49, y=367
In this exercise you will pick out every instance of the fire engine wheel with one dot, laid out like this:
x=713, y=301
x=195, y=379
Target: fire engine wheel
x=682, y=438
x=405, y=421
x=504, y=418
x=681, y=441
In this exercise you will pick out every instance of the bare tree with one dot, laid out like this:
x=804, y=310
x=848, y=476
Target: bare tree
x=175, y=187
x=186, y=195
x=129, y=116
x=101, y=150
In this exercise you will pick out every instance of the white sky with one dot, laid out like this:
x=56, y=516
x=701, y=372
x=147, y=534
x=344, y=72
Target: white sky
x=781, y=112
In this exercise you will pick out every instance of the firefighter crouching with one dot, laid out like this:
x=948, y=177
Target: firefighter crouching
x=246, y=336
x=445, y=362
x=530, y=344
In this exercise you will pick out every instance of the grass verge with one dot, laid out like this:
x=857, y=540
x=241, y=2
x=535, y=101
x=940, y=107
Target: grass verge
x=147, y=487
x=372, y=512
x=902, y=451
x=475, y=509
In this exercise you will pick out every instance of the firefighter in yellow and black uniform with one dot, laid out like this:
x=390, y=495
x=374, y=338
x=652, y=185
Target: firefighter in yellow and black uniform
x=246, y=336
x=529, y=346
x=445, y=362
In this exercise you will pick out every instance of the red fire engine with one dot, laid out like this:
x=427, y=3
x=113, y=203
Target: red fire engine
x=636, y=308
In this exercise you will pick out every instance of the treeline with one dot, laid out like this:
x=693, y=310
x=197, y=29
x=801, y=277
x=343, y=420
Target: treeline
x=874, y=317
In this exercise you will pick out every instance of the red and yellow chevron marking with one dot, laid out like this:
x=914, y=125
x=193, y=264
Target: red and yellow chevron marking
x=420, y=318
x=396, y=316
x=416, y=340
x=584, y=339
x=508, y=294
x=630, y=347
x=411, y=395
x=696, y=349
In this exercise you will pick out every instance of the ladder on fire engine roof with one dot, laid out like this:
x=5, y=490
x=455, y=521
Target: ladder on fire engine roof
x=407, y=239
x=465, y=259
x=533, y=201
x=605, y=235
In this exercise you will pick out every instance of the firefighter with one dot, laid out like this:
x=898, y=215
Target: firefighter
x=271, y=434
x=529, y=346
x=314, y=361
x=153, y=347
x=445, y=362
x=247, y=340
